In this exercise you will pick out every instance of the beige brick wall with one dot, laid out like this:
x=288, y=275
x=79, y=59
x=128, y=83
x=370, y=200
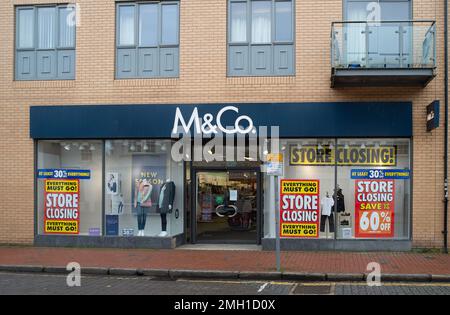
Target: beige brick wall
x=202, y=79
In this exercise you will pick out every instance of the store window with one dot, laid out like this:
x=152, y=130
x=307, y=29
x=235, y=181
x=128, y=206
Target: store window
x=342, y=189
x=261, y=38
x=45, y=43
x=143, y=189
x=69, y=187
x=377, y=193
x=310, y=210
x=147, y=39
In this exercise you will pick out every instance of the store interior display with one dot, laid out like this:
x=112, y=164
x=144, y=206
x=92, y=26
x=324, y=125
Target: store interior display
x=139, y=179
x=75, y=155
x=342, y=214
x=227, y=206
x=146, y=200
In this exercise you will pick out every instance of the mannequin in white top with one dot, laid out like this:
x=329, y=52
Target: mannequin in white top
x=327, y=204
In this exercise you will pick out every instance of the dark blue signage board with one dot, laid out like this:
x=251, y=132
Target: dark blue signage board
x=296, y=120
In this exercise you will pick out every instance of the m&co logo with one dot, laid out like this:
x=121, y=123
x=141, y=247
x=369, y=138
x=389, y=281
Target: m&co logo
x=208, y=125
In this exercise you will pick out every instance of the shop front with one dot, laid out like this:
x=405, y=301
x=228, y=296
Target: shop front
x=159, y=176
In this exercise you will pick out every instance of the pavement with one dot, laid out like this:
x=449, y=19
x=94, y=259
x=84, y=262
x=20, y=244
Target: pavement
x=229, y=264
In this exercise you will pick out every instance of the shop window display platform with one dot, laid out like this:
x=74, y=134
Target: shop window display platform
x=268, y=244
x=109, y=241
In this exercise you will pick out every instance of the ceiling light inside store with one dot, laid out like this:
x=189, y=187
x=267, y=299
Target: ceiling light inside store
x=331, y=146
x=133, y=148
x=145, y=147
x=320, y=147
x=363, y=146
x=92, y=147
x=164, y=148
x=67, y=147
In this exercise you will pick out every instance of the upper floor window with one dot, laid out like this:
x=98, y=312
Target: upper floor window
x=45, y=43
x=260, y=37
x=387, y=44
x=147, y=39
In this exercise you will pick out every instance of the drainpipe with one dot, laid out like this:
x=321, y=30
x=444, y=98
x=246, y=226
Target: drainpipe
x=445, y=232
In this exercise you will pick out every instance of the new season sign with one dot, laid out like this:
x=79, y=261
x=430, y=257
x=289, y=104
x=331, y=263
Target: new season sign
x=349, y=155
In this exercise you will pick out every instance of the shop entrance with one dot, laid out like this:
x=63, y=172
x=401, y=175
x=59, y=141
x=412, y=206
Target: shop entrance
x=227, y=206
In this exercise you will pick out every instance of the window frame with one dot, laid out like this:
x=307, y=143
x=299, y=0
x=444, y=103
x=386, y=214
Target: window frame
x=159, y=45
x=345, y=5
x=56, y=37
x=248, y=43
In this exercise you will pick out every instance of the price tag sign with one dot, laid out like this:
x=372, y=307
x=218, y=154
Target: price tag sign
x=374, y=208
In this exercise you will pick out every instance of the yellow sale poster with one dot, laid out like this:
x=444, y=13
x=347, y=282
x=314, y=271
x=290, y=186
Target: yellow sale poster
x=299, y=209
x=62, y=206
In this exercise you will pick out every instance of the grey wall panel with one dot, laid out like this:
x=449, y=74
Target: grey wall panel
x=126, y=63
x=169, y=62
x=261, y=60
x=148, y=62
x=284, y=60
x=66, y=64
x=46, y=65
x=238, y=61
x=26, y=65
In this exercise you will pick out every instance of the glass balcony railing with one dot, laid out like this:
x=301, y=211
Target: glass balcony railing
x=383, y=45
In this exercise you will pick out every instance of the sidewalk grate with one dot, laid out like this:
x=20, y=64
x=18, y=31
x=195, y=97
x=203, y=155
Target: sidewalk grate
x=312, y=289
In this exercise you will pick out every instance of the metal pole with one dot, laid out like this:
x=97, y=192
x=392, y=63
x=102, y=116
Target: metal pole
x=445, y=232
x=277, y=225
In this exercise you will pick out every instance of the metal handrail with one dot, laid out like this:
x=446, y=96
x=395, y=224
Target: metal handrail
x=433, y=22
x=429, y=28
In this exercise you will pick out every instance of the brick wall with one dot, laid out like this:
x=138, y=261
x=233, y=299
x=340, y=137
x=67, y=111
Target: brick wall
x=202, y=79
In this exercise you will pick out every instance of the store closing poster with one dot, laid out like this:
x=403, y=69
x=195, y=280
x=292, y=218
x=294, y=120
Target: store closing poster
x=62, y=206
x=299, y=209
x=374, y=208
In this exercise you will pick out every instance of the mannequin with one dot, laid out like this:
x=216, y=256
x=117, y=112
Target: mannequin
x=165, y=204
x=340, y=200
x=327, y=204
x=142, y=202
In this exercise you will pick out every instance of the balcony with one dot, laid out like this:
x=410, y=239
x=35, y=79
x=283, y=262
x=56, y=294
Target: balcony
x=390, y=53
